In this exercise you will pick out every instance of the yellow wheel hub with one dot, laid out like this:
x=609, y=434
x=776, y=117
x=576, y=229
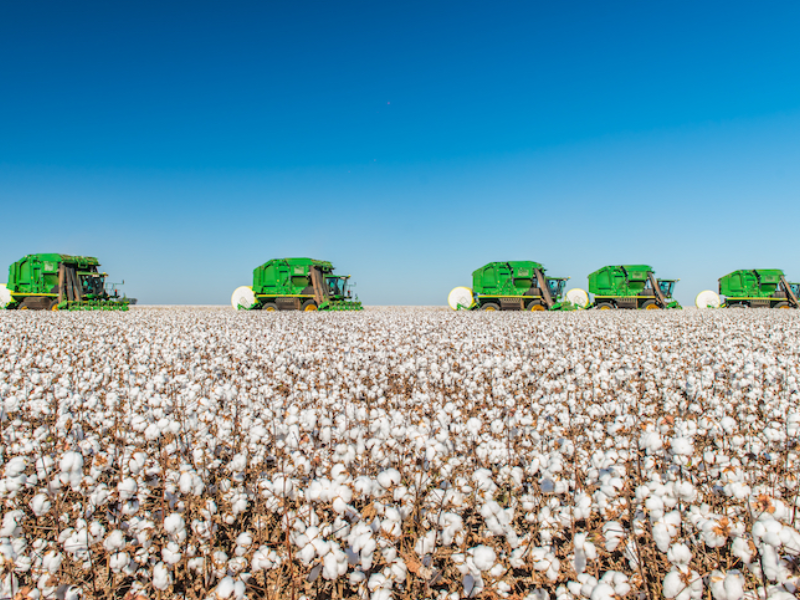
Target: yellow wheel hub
x=490, y=309
x=605, y=308
x=310, y=308
x=270, y=309
x=652, y=307
x=537, y=308
x=55, y=308
x=785, y=307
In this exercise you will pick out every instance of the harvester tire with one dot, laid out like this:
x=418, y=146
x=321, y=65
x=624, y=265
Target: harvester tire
x=309, y=306
x=270, y=307
x=650, y=305
x=604, y=306
x=490, y=306
x=782, y=305
x=536, y=306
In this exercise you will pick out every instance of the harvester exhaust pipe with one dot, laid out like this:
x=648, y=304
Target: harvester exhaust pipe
x=789, y=292
x=548, y=299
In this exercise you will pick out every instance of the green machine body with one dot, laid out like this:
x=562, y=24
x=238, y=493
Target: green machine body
x=302, y=284
x=631, y=287
x=53, y=281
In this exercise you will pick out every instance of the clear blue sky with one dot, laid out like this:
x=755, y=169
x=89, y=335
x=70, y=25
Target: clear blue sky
x=409, y=143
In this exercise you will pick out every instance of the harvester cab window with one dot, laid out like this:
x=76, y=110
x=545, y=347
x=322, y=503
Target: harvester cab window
x=336, y=286
x=92, y=284
x=666, y=287
x=556, y=287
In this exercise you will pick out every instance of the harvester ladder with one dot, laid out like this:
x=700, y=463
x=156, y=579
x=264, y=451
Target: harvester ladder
x=789, y=292
x=657, y=289
x=548, y=299
x=320, y=293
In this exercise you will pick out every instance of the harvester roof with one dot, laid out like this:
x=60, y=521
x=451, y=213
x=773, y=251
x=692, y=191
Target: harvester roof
x=519, y=268
x=302, y=262
x=634, y=272
x=80, y=261
x=767, y=275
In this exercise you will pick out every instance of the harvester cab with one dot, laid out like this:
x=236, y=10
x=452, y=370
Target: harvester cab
x=512, y=285
x=632, y=287
x=296, y=284
x=59, y=282
x=752, y=288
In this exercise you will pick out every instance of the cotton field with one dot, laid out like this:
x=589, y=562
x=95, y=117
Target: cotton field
x=203, y=453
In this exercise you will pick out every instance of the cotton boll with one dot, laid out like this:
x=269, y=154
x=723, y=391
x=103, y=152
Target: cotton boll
x=162, y=578
x=119, y=561
x=679, y=555
x=727, y=586
x=16, y=466
x=171, y=554
x=388, y=478
x=483, y=557
x=40, y=505
x=683, y=585
x=127, y=489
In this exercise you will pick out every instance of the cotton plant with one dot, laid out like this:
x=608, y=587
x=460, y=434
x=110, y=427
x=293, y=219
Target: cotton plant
x=392, y=454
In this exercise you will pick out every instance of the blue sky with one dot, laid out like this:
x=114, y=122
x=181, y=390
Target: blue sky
x=407, y=143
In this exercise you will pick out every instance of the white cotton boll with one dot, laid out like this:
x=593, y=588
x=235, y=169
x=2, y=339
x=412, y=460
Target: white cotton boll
x=238, y=463
x=483, y=557
x=682, y=446
x=679, y=555
x=727, y=586
x=162, y=578
x=11, y=524
x=185, y=483
x=40, y=504
x=244, y=539
x=388, y=478
x=127, y=489
x=474, y=425
x=613, y=534
x=51, y=562
x=225, y=588
x=16, y=466
x=71, y=462
x=44, y=466
x=175, y=526
x=602, y=591
x=118, y=561
x=265, y=559
x=171, y=554
x=683, y=585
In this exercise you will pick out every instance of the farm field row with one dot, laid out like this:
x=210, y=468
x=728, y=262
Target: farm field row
x=205, y=453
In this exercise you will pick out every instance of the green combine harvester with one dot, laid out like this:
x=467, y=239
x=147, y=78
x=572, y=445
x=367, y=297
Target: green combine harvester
x=59, y=282
x=515, y=285
x=295, y=284
x=631, y=286
x=752, y=288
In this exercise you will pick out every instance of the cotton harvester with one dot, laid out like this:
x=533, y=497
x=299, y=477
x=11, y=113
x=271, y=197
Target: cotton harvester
x=59, y=282
x=631, y=286
x=295, y=284
x=752, y=288
x=515, y=285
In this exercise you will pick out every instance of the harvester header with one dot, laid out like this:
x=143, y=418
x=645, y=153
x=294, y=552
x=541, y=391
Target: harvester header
x=53, y=281
x=295, y=284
